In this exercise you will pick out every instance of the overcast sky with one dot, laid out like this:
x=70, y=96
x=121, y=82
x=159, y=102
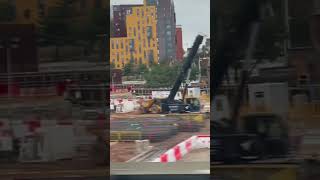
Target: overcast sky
x=194, y=16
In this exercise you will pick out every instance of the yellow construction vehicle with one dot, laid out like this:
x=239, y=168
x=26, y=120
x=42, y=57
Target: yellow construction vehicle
x=151, y=106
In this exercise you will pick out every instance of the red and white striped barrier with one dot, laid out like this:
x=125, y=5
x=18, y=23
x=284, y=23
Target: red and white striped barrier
x=177, y=152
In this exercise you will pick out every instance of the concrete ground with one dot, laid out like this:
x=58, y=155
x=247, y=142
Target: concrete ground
x=198, y=155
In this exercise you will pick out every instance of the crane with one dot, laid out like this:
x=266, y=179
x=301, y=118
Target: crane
x=170, y=104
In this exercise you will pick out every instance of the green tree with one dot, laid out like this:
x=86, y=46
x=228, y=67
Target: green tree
x=128, y=69
x=161, y=75
x=194, y=74
x=141, y=69
x=112, y=66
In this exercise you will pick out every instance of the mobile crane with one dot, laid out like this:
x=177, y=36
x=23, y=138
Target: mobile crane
x=170, y=105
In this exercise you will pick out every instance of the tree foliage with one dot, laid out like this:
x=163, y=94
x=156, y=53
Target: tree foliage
x=128, y=69
x=161, y=75
x=141, y=69
x=194, y=74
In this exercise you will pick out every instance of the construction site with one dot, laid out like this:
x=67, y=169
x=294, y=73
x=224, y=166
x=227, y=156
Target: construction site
x=163, y=126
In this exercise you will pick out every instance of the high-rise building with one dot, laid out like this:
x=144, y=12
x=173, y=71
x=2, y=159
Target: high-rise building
x=140, y=45
x=179, y=51
x=166, y=28
x=120, y=13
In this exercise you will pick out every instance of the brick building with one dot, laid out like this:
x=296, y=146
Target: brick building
x=166, y=28
x=179, y=44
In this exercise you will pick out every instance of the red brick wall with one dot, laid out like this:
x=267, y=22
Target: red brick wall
x=179, y=51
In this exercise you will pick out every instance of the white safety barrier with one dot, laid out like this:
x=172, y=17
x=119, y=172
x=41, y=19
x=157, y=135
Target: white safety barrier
x=125, y=105
x=177, y=152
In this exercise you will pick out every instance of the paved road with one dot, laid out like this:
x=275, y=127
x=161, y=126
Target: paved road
x=198, y=155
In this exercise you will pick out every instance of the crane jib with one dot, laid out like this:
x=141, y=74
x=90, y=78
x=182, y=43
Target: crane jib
x=186, y=66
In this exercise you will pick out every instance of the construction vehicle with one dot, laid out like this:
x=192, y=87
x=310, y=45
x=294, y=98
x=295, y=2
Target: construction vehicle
x=251, y=136
x=169, y=104
x=152, y=106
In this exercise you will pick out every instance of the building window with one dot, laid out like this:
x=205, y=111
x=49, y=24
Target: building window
x=117, y=46
x=149, y=32
x=140, y=60
x=145, y=54
x=134, y=32
x=140, y=49
x=142, y=13
x=138, y=11
x=139, y=37
x=118, y=58
x=147, y=19
x=121, y=45
x=27, y=13
x=131, y=44
x=112, y=44
x=151, y=57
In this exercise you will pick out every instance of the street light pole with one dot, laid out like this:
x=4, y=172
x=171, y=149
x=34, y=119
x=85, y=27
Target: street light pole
x=199, y=69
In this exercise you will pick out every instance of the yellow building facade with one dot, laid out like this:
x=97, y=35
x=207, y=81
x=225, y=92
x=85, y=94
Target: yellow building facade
x=141, y=44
